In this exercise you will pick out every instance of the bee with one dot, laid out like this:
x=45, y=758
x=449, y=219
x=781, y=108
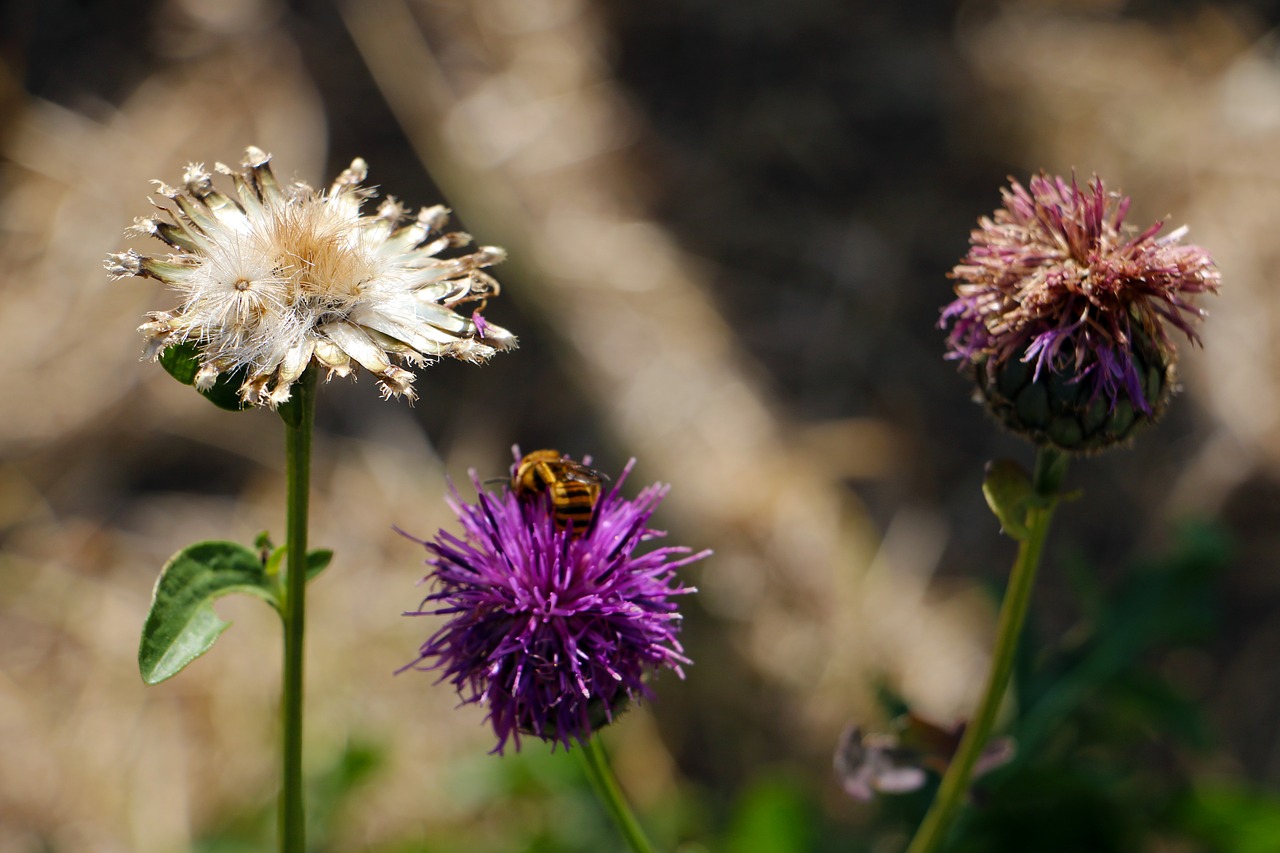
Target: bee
x=572, y=487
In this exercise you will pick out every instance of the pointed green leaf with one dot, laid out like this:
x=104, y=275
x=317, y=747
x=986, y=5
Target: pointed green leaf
x=271, y=565
x=182, y=624
x=182, y=361
x=290, y=411
x=225, y=393
x=1008, y=491
x=317, y=562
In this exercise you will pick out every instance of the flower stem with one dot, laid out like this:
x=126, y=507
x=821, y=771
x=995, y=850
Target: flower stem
x=1051, y=466
x=606, y=787
x=298, y=471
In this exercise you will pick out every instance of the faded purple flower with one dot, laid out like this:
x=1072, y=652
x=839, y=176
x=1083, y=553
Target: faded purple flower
x=1062, y=310
x=552, y=631
x=895, y=762
x=870, y=764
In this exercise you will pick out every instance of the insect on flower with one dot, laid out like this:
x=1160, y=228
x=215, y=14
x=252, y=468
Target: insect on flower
x=572, y=487
x=554, y=632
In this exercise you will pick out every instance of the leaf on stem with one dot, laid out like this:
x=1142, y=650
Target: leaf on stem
x=1009, y=493
x=290, y=411
x=182, y=624
x=181, y=361
x=317, y=562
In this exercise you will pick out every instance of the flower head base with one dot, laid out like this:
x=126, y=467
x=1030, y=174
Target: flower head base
x=1061, y=311
x=273, y=277
x=552, y=632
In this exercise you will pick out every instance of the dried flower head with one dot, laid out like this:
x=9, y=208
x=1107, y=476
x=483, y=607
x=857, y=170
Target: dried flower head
x=552, y=631
x=273, y=277
x=1061, y=311
x=874, y=763
x=895, y=762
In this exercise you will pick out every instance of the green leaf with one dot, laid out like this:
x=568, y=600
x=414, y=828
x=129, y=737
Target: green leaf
x=290, y=411
x=182, y=361
x=263, y=542
x=1009, y=493
x=274, y=560
x=182, y=624
x=317, y=561
x=1233, y=816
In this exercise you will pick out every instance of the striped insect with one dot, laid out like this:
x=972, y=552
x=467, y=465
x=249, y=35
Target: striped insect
x=572, y=487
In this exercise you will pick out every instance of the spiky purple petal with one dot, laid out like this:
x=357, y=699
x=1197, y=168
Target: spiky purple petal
x=549, y=630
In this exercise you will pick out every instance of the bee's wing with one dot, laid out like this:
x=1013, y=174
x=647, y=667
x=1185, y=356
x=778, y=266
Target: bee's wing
x=582, y=473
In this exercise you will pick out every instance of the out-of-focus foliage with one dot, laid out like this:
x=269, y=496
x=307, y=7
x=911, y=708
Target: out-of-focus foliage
x=1111, y=757
x=1228, y=817
x=1108, y=745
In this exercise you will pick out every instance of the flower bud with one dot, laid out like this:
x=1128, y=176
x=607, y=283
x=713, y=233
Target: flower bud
x=1063, y=409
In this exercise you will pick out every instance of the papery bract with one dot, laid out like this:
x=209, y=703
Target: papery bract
x=273, y=277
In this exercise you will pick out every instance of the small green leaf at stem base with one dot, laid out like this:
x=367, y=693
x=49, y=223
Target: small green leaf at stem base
x=182, y=624
x=317, y=561
x=1009, y=493
x=182, y=361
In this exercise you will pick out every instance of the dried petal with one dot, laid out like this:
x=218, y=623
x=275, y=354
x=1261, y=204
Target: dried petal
x=271, y=277
x=1061, y=313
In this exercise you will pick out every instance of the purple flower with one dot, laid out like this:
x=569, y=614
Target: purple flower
x=1057, y=292
x=552, y=631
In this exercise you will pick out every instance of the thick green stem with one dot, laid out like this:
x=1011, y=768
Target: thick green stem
x=294, y=611
x=1051, y=467
x=606, y=787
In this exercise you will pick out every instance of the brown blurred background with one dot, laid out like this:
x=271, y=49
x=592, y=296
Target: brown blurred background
x=729, y=225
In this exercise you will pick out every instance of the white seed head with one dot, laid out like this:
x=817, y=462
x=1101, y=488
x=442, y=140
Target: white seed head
x=271, y=277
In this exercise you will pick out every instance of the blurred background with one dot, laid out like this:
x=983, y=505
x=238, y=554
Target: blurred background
x=729, y=225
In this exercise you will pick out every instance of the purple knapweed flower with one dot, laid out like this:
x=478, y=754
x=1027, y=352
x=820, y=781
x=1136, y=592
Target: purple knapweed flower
x=1061, y=311
x=552, y=630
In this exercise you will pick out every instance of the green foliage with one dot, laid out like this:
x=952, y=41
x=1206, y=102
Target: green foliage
x=1008, y=491
x=1105, y=762
x=317, y=561
x=1102, y=738
x=329, y=792
x=772, y=816
x=1231, y=818
x=182, y=625
x=290, y=411
x=181, y=361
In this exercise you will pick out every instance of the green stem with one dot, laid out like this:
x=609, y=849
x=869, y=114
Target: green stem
x=606, y=787
x=294, y=611
x=1051, y=467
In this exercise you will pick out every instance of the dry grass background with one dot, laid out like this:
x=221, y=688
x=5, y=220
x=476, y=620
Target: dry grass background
x=516, y=111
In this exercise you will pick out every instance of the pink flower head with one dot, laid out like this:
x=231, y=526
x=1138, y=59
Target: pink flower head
x=1056, y=280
